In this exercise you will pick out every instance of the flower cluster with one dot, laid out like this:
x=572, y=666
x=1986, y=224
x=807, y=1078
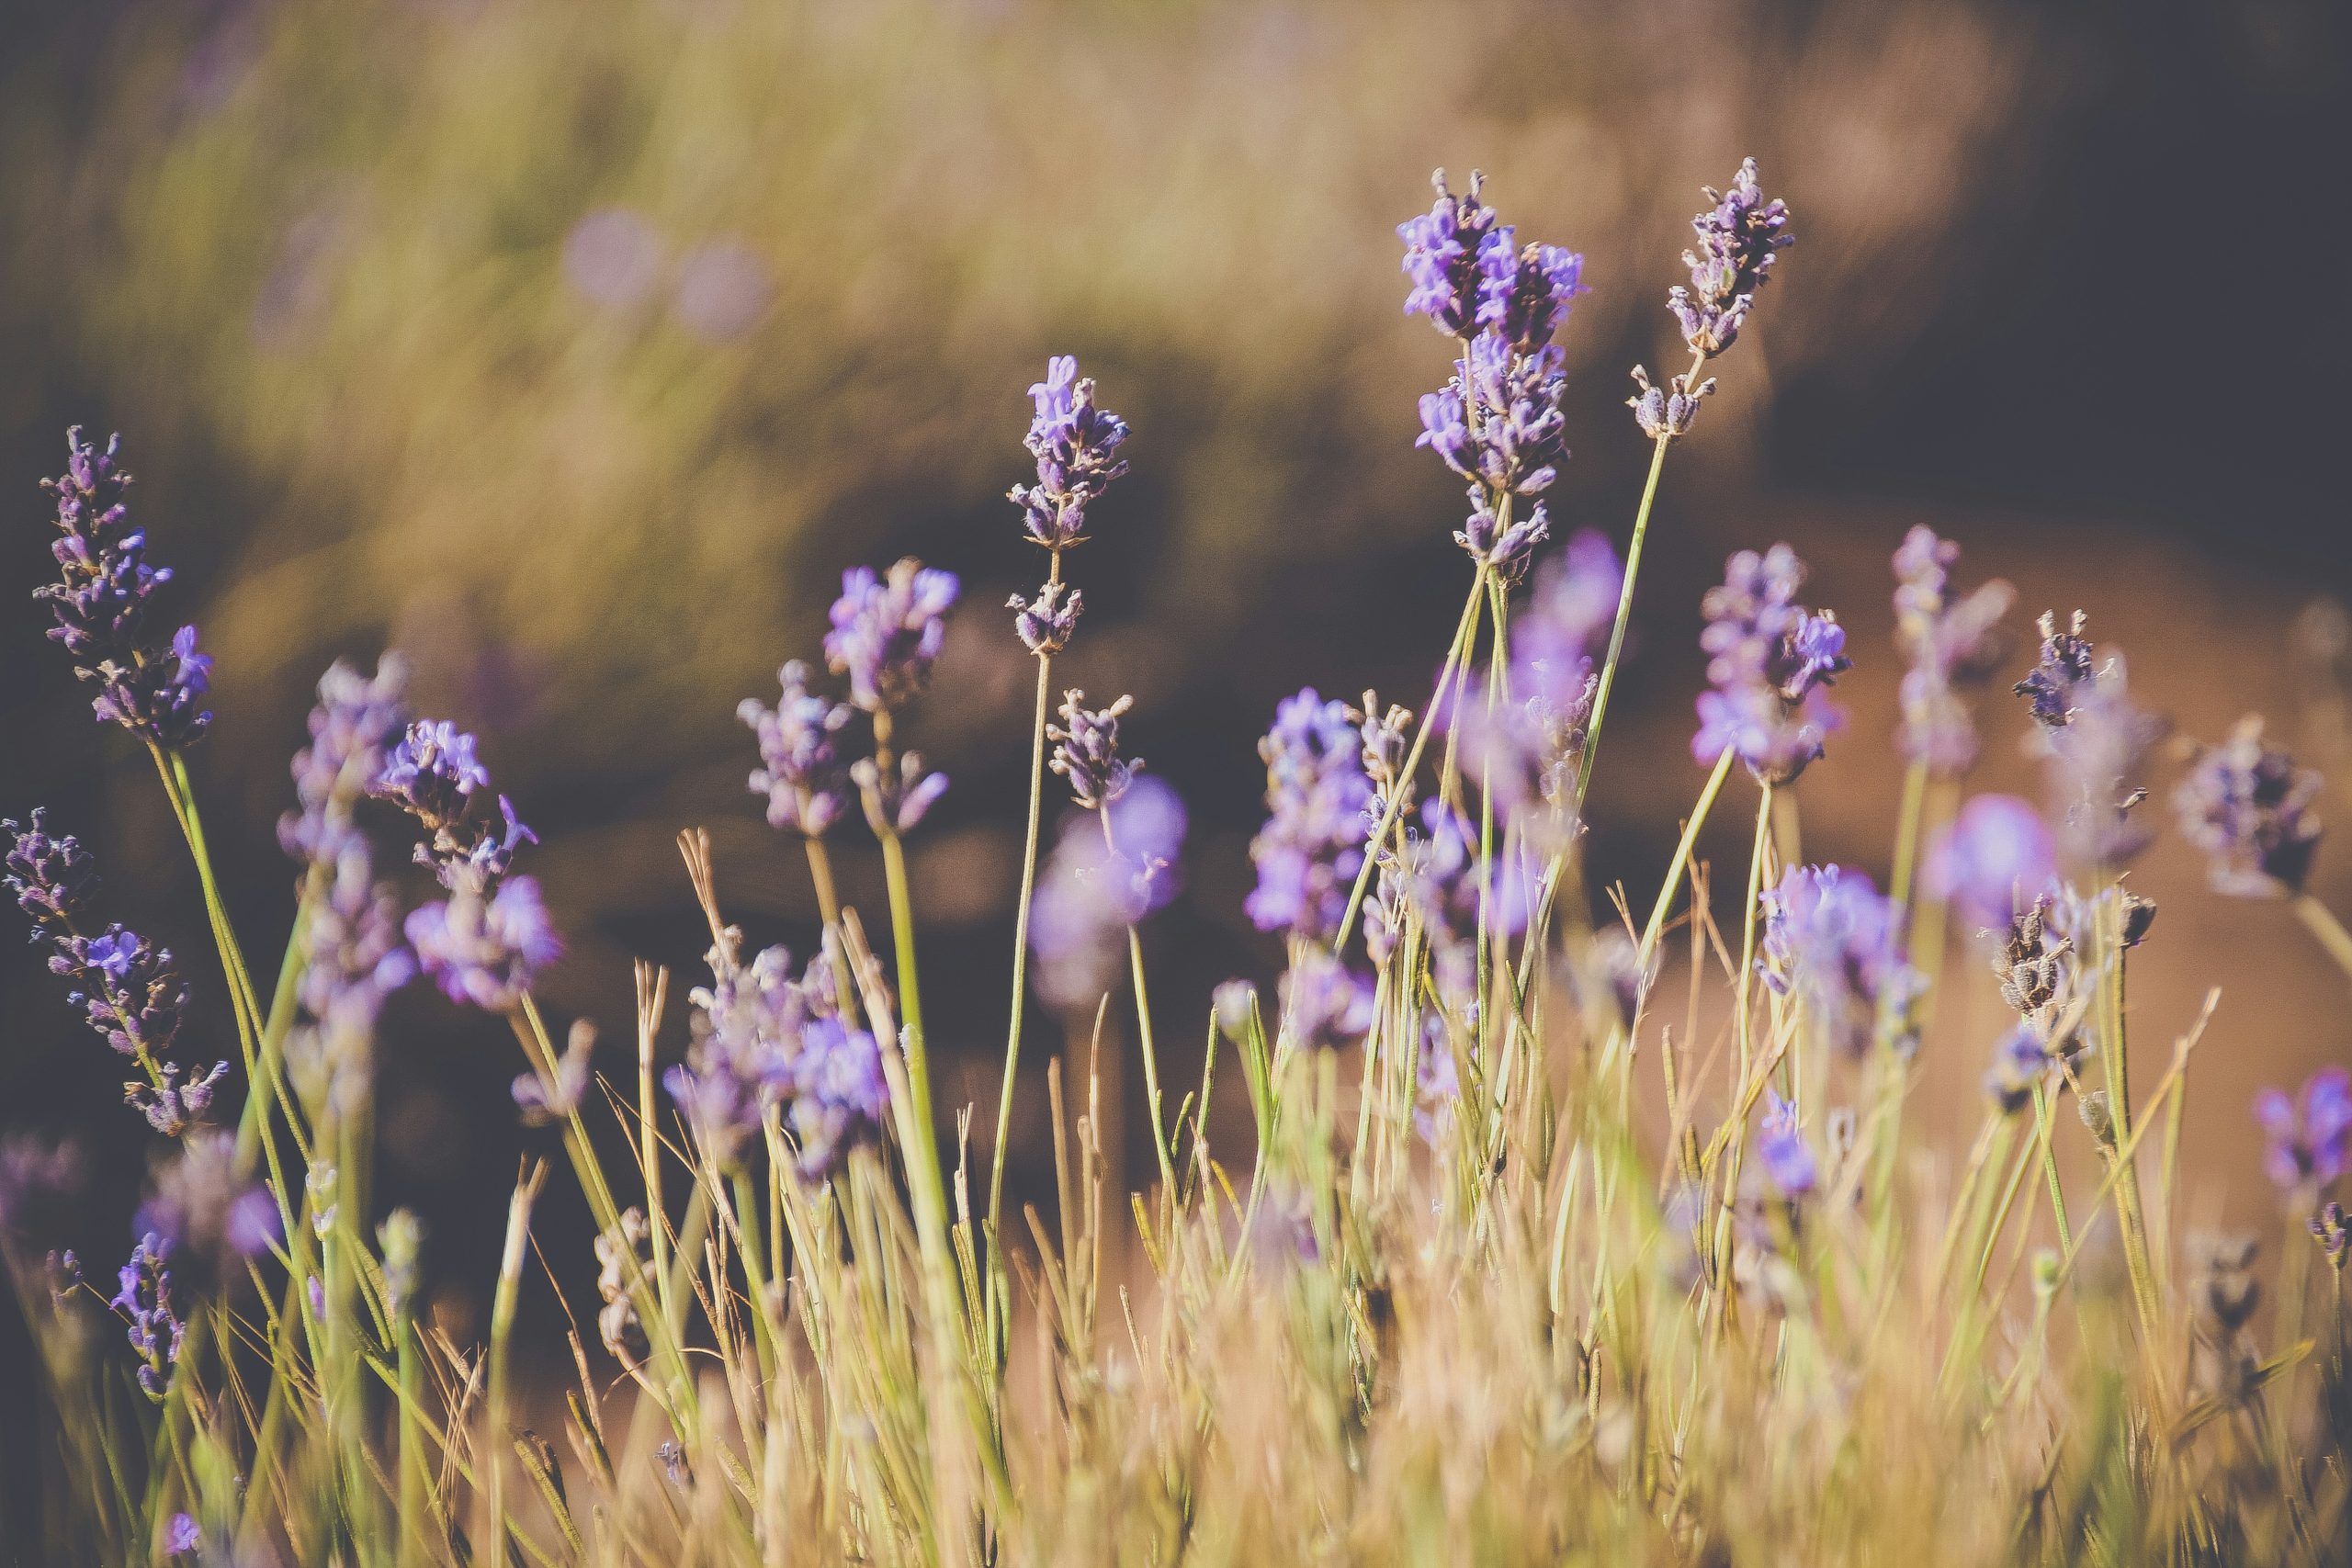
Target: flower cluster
x=1325, y=1003
x=354, y=728
x=1769, y=660
x=887, y=631
x=205, y=1209
x=1308, y=853
x=1782, y=1149
x=2248, y=807
x=1739, y=237
x=103, y=599
x=1835, y=944
x=800, y=769
x=2310, y=1136
x=1947, y=643
x=1497, y=423
x=2097, y=742
x=1997, y=855
x=144, y=1303
x=1086, y=751
x=765, y=1037
x=486, y=942
x=1073, y=440
x=1103, y=875
x=51, y=876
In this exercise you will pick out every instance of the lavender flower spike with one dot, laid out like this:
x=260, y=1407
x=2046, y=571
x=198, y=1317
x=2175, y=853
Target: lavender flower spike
x=2248, y=807
x=1072, y=440
x=800, y=772
x=1770, y=658
x=144, y=1303
x=127, y=986
x=1312, y=845
x=485, y=948
x=1086, y=751
x=1047, y=623
x=52, y=878
x=1997, y=858
x=2098, y=741
x=888, y=631
x=1737, y=239
x=2310, y=1136
x=1442, y=251
x=357, y=723
x=1948, y=644
x=896, y=801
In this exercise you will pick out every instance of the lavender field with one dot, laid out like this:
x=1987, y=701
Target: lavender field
x=1351, y=932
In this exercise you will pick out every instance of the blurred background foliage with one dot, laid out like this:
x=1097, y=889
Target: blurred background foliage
x=574, y=347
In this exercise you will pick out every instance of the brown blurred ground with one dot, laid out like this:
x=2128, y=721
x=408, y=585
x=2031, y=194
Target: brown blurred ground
x=389, y=377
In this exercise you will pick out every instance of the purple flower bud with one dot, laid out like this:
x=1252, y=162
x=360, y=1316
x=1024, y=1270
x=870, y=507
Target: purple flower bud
x=1524, y=295
x=1781, y=1147
x=1834, y=944
x=800, y=772
x=182, y=1536
x=354, y=728
x=203, y=1209
x=1312, y=844
x=144, y=1303
x=157, y=696
x=127, y=986
x=485, y=949
x=1667, y=412
x=432, y=774
x=2097, y=742
x=1737, y=240
x=2021, y=1062
x=1769, y=659
x=1485, y=538
x=1441, y=257
x=1947, y=644
x=172, y=1107
x=2310, y=1135
x=1997, y=857
x=50, y=878
x=2248, y=807
x=1047, y=623
x=896, y=801
x=1086, y=751
x=1073, y=440
x=888, y=631
x=1097, y=883
x=840, y=1095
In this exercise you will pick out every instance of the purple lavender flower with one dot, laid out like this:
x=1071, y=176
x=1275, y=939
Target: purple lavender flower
x=1096, y=884
x=144, y=1301
x=2333, y=1235
x=485, y=948
x=203, y=1209
x=159, y=696
x=840, y=1095
x=1947, y=643
x=2021, y=1063
x=182, y=1536
x=1668, y=413
x=1502, y=547
x=1072, y=440
x=888, y=631
x=1769, y=660
x=1308, y=853
x=1047, y=623
x=432, y=774
x=2248, y=807
x=747, y=1025
x=2097, y=742
x=1524, y=294
x=102, y=600
x=1325, y=1003
x=354, y=729
x=1441, y=257
x=1498, y=422
x=800, y=772
x=170, y=1105
x=2310, y=1136
x=896, y=801
x=1996, y=857
x=52, y=878
x=1086, y=751
x=1738, y=238
x=1781, y=1147
x=1833, y=942
x=1529, y=748
x=127, y=986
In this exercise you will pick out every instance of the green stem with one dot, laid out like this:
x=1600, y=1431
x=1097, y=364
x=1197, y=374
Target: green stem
x=1625, y=614
x=2042, y=1113
x=1722, y=1261
x=1907, y=834
x=996, y=1278
x=2322, y=922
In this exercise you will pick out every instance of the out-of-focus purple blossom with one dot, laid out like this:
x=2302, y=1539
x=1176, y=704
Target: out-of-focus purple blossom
x=1498, y=422
x=1502, y=547
x=1086, y=751
x=1384, y=734
x=747, y=1025
x=800, y=769
x=1835, y=944
x=1668, y=413
x=203, y=1208
x=1781, y=1147
x=542, y=1103
x=144, y=1303
x=1769, y=659
x=888, y=631
x=1047, y=623
x=1074, y=442
x=2098, y=741
x=160, y=696
x=2248, y=807
x=2310, y=1136
x=840, y=1095
x=2021, y=1063
x=170, y=1105
x=1948, y=644
x=357, y=722
x=897, y=800
x=182, y=1536
x=51, y=878
x=1311, y=847
x=613, y=255
x=1996, y=857
x=353, y=959
x=127, y=986
x=1441, y=257
x=1325, y=1003
x=1739, y=235
x=485, y=948
x=1096, y=884
x=723, y=291
x=1524, y=292
x=34, y=1174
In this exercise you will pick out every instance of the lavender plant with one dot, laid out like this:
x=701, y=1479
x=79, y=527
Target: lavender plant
x=1477, y=1292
